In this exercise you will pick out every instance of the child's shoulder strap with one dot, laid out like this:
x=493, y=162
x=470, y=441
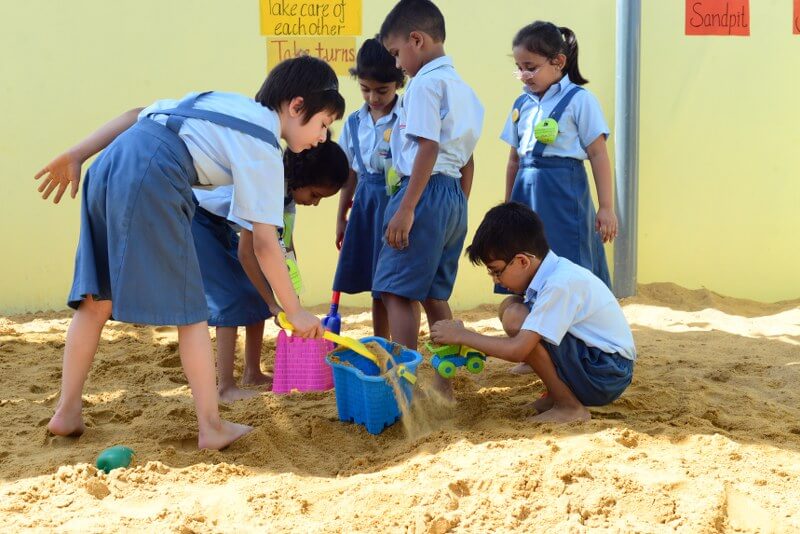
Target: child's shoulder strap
x=517, y=107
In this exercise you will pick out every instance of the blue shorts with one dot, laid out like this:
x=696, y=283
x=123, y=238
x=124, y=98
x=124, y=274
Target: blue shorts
x=232, y=299
x=135, y=246
x=363, y=237
x=595, y=377
x=427, y=267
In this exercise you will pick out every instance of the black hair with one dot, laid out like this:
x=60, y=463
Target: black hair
x=507, y=230
x=549, y=40
x=374, y=62
x=414, y=16
x=324, y=165
x=306, y=77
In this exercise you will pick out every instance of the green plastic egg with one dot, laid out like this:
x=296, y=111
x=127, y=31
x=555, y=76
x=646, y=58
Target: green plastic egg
x=114, y=457
x=546, y=131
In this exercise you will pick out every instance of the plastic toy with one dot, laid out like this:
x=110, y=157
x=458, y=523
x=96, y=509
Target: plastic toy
x=348, y=342
x=546, y=131
x=333, y=321
x=363, y=395
x=447, y=358
x=300, y=364
x=114, y=458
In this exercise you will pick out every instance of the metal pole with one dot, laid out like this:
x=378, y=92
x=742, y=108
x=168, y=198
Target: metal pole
x=626, y=121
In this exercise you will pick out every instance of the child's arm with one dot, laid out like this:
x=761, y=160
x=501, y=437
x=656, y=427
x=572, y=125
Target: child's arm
x=467, y=172
x=66, y=168
x=247, y=257
x=511, y=171
x=606, y=223
x=511, y=349
x=400, y=226
x=345, y=200
x=270, y=259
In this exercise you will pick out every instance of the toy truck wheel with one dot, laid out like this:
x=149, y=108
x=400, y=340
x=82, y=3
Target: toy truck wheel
x=475, y=365
x=447, y=369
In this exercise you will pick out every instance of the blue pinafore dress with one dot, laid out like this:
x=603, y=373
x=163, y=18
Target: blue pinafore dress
x=135, y=246
x=363, y=236
x=557, y=189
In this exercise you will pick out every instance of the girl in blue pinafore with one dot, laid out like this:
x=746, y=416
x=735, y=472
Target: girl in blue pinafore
x=365, y=140
x=136, y=260
x=553, y=127
x=236, y=291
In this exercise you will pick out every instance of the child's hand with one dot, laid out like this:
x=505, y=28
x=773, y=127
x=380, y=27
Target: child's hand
x=59, y=173
x=606, y=224
x=341, y=226
x=399, y=229
x=306, y=324
x=447, y=332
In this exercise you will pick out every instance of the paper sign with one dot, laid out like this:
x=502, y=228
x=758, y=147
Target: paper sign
x=718, y=17
x=310, y=17
x=796, y=18
x=338, y=52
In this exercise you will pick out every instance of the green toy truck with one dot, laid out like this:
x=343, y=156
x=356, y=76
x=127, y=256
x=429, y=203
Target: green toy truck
x=447, y=358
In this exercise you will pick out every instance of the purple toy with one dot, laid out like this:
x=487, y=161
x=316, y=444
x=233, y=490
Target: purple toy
x=300, y=364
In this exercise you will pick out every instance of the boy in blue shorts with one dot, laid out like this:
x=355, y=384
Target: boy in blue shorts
x=568, y=326
x=438, y=125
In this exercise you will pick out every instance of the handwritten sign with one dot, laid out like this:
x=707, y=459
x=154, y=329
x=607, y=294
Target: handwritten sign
x=796, y=18
x=338, y=52
x=310, y=17
x=718, y=17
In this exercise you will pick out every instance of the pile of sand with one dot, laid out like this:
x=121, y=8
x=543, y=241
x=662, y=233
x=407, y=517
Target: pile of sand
x=706, y=439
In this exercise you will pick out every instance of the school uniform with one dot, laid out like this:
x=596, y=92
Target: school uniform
x=135, y=246
x=582, y=328
x=231, y=297
x=437, y=105
x=366, y=144
x=551, y=178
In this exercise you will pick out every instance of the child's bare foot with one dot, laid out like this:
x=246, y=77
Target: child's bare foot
x=521, y=368
x=256, y=379
x=63, y=424
x=219, y=437
x=233, y=394
x=541, y=405
x=563, y=414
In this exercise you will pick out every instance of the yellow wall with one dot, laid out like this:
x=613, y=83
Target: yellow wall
x=717, y=209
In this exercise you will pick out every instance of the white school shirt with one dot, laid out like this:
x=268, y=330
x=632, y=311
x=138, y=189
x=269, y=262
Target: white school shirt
x=225, y=156
x=372, y=139
x=579, y=126
x=564, y=297
x=437, y=105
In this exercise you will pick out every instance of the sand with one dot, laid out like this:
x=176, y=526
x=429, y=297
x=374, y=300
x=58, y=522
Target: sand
x=706, y=439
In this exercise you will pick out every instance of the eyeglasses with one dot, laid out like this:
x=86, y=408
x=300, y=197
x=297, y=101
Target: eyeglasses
x=524, y=75
x=496, y=274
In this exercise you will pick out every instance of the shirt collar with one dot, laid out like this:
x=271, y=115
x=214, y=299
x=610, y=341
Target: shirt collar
x=439, y=62
x=363, y=113
x=557, y=88
x=544, y=271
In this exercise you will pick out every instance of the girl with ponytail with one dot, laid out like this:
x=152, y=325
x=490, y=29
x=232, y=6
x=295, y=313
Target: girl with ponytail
x=554, y=125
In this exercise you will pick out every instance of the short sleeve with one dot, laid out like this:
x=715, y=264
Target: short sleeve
x=589, y=118
x=553, y=312
x=424, y=111
x=257, y=182
x=344, y=142
x=510, y=134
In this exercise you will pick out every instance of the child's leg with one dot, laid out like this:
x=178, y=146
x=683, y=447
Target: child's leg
x=511, y=327
x=566, y=407
x=83, y=336
x=380, y=319
x=439, y=310
x=403, y=315
x=254, y=340
x=226, y=357
x=198, y=365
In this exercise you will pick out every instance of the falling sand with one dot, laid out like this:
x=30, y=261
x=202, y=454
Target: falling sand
x=706, y=439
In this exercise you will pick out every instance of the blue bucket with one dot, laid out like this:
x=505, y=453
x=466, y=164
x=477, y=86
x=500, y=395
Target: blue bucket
x=362, y=395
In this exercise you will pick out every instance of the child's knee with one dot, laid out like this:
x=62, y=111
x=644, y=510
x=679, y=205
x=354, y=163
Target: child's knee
x=98, y=309
x=512, y=314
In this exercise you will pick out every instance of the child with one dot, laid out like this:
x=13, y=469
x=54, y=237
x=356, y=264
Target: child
x=365, y=140
x=136, y=260
x=235, y=289
x=548, y=175
x=568, y=326
x=438, y=126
